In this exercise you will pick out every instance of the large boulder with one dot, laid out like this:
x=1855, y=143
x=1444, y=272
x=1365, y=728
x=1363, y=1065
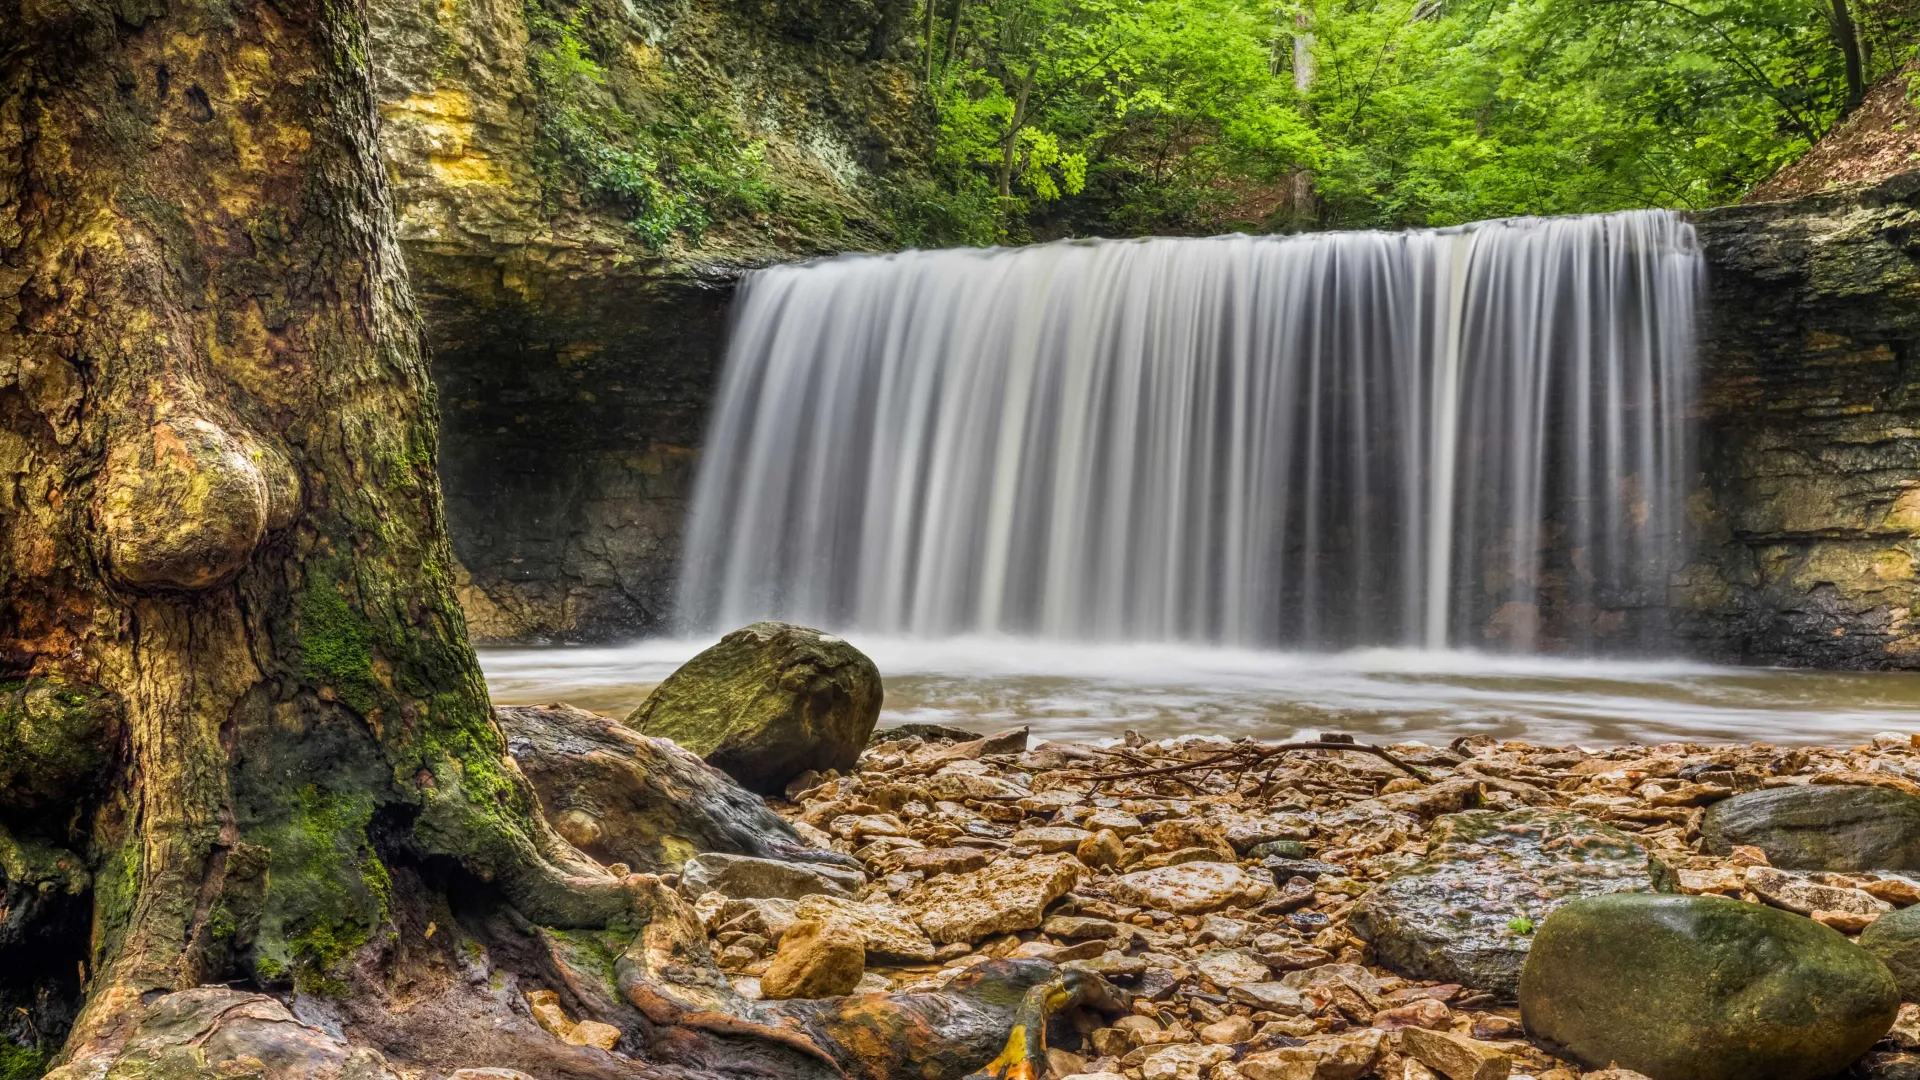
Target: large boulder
x=1464, y=914
x=1894, y=940
x=1703, y=988
x=622, y=797
x=768, y=703
x=1821, y=827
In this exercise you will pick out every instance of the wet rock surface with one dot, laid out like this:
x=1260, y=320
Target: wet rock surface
x=1894, y=940
x=1465, y=913
x=768, y=703
x=1703, y=988
x=623, y=797
x=1821, y=827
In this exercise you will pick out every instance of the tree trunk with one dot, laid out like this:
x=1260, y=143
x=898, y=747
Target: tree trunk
x=1848, y=37
x=1300, y=197
x=1009, y=146
x=243, y=739
x=221, y=545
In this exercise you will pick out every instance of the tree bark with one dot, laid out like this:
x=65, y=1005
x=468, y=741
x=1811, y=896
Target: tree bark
x=221, y=544
x=1847, y=35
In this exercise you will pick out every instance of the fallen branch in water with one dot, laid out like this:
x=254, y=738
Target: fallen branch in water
x=1246, y=756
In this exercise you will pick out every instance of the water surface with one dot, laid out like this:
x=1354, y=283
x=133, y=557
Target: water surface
x=1084, y=691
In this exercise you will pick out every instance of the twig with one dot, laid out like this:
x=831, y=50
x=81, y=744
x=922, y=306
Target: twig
x=1250, y=756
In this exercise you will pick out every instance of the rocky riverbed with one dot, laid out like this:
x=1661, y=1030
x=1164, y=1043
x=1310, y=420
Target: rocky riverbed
x=1331, y=913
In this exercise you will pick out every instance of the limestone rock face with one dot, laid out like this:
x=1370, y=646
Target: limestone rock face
x=1463, y=914
x=622, y=797
x=1803, y=553
x=575, y=357
x=767, y=703
x=817, y=958
x=1821, y=827
x=1703, y=988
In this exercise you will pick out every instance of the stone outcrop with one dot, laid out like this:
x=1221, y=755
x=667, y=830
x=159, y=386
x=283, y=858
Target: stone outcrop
x=574, y=352
x=1807, y=524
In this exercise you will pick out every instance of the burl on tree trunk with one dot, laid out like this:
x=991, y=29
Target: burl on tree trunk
x=243, y=739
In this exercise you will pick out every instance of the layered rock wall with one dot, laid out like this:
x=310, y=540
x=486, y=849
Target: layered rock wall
x=574, y=350
x=1807, y=517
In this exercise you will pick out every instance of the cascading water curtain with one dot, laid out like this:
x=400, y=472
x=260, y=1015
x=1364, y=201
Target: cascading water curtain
x=1468, y=437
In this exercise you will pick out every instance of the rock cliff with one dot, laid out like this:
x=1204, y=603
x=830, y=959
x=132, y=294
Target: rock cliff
x=1807, y=518
x=579, y=185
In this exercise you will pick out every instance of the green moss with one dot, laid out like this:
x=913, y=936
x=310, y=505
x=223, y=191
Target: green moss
x=336, y=642
x=21, y=1062
x=327, y=892
x=54, y=740
x=116, y=885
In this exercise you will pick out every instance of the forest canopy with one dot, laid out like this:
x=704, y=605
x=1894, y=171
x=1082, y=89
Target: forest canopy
x=1119, y=117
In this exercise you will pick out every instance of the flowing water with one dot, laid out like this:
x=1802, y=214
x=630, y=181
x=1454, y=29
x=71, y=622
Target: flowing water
x=1407, y=485
x=1471, y=436
x=1094, y=691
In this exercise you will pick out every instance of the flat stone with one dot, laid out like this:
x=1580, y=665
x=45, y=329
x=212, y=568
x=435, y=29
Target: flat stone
x=1803, y=897
x=1462, y=914
x=1120, y=822
x=1328, y=1057
x=817, y=958
x=1080, y=926
x=1186, y=1061
x=1895, y=940
x=1051, y=839
x=1271, y=996
x=1009, y=895
x=1456, y=1056
x=1191, y=888
x=743, y=877
x=1820, y=827
x=889, y=932
x=1231, y=967
x=947, y=860
x=1284, y=869
x=1703, y=988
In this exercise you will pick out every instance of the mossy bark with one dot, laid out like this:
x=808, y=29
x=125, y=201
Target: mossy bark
x=226, y=607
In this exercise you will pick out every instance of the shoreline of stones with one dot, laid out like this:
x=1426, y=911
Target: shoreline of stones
x=1683, y=911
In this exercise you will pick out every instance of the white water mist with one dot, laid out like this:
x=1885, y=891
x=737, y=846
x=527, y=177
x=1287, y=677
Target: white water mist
x=1468, y=437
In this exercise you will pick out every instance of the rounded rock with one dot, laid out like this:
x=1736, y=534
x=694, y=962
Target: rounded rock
x=1820, y=827
x=1702, y=988
x=1894, y=940
x=767, y=703
x=817, y=958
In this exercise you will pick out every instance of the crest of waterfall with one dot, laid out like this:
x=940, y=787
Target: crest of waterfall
x=1465, y=437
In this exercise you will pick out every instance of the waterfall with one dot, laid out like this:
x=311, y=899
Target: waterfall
x=1469, y=437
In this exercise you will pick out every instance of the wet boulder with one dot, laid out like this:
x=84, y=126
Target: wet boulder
x=1703, y=988
x=1894, y=939
x=1465, y=913
x=1821, y=827
x=768, y=703
x=622, y=797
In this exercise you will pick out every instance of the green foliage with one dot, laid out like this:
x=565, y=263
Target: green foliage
x=671, y=174
x=1521, y=925
x=21, y=1062
x=1189, y=115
